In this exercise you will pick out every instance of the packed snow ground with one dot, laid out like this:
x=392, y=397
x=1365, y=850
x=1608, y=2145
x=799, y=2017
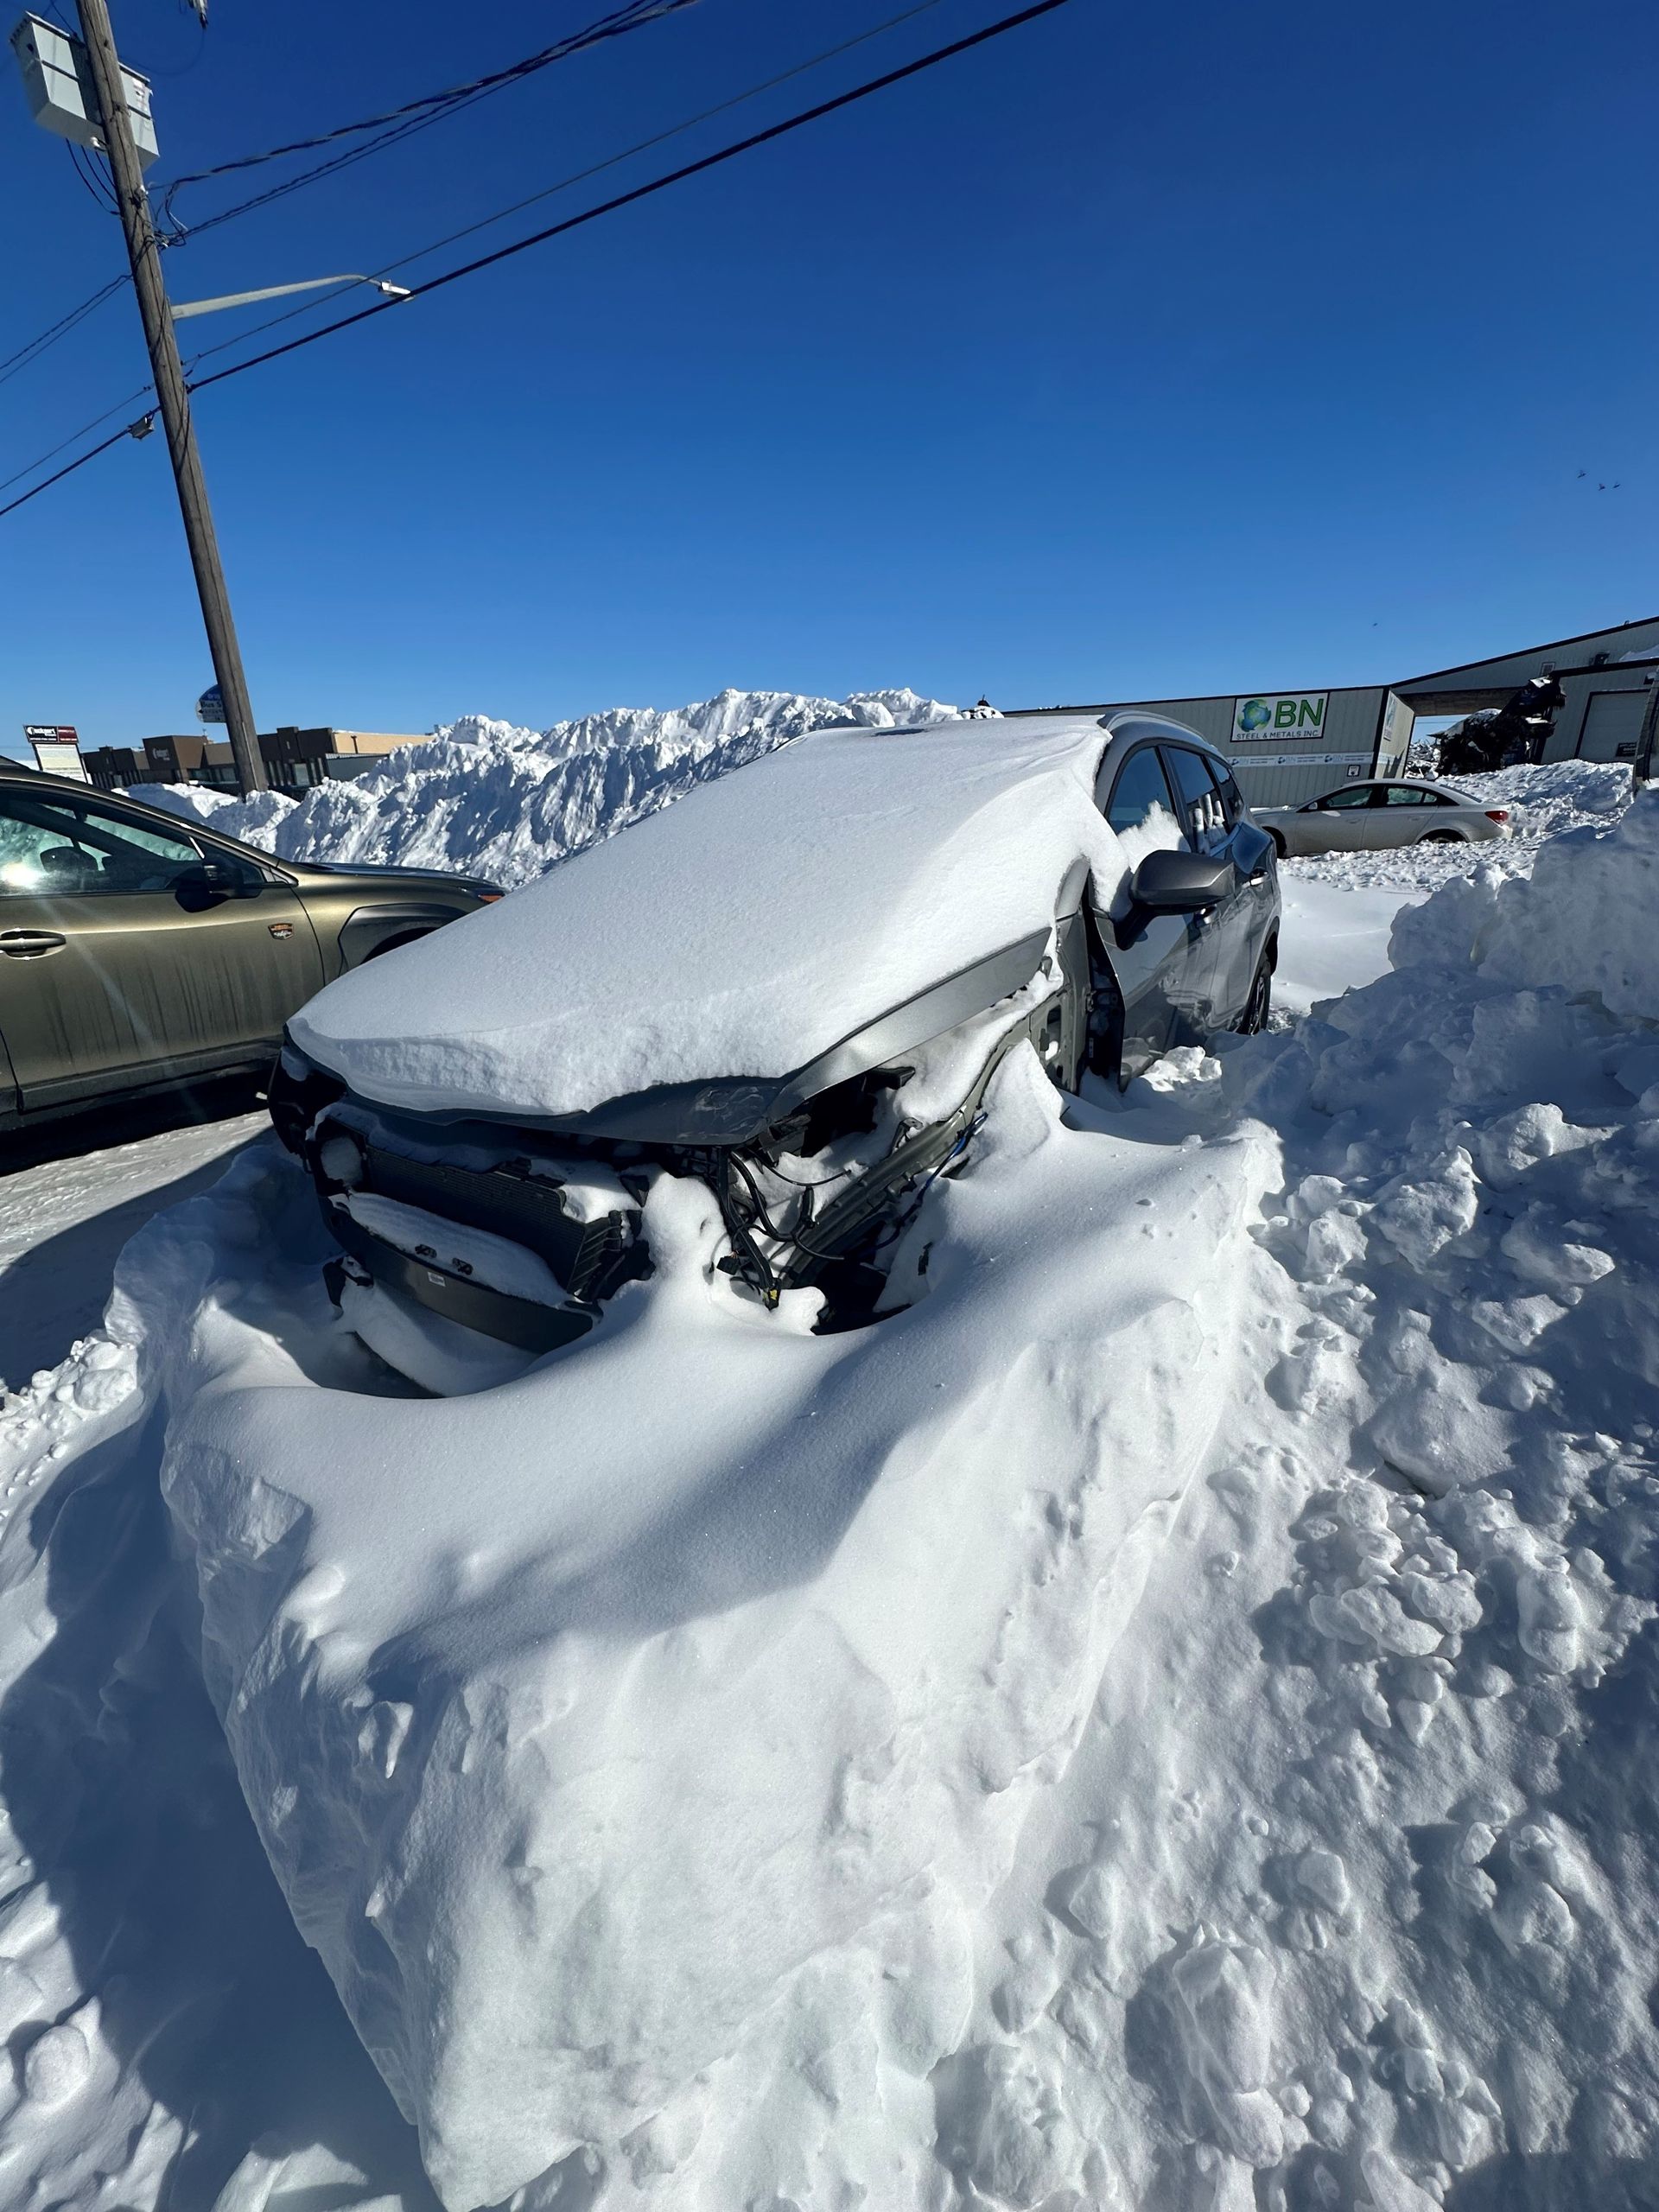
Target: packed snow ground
x=802, y=1819
x=64, y=1218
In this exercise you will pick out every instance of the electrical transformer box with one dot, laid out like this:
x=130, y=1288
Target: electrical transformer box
x=58, y=78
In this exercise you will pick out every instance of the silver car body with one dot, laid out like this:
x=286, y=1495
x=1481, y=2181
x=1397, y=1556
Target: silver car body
x=460, y=1139
x=1374, y=817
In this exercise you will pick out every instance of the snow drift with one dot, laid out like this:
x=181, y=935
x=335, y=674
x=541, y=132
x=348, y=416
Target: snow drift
x=640, y=1744
x=712, y=1768
x=488, y=798
x=1166, y=1722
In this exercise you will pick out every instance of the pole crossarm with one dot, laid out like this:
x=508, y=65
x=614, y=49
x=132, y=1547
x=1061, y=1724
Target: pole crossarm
x=181, y=308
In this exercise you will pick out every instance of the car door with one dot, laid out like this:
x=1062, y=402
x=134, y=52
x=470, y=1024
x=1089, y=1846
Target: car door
x=1338, y=822
x=1397, y=814
x=1155, y=958
x=122, y=962
x=1232, y=933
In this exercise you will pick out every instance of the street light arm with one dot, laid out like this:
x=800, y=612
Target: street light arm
x=183, y=308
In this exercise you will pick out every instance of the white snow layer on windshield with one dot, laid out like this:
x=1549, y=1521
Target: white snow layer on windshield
x=740, y=932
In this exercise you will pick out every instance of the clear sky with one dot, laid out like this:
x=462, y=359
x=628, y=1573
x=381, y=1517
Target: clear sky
x=1150, y=350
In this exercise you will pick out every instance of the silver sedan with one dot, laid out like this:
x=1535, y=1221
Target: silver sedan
x=1366, y=817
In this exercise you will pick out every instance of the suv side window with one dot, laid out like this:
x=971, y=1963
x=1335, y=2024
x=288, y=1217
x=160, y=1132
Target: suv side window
x=1206, y=812
x=55, y=848
x=1142, y=809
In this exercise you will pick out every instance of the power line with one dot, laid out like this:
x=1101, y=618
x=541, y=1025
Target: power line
x=591, y=214
x=597, y=169
x=52, y=452
x=61, y=329
x=654, y=185
x=69, y=468
x=310, y=307
x=413, y=116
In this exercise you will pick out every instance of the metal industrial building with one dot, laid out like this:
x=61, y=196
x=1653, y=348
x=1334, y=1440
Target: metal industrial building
x=1288, y=746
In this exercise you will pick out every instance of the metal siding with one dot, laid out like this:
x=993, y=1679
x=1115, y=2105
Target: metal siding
x=1566, y=732
x=1507, y=672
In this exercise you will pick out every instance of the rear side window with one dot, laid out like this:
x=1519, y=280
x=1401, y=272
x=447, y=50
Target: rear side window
x=1142, y=808
x=1206, y=812
x=1402, y=795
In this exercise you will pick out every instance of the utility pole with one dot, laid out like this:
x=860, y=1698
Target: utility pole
x=143, y=252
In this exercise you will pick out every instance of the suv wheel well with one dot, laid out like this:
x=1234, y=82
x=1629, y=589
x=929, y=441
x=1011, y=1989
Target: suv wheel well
x=391, y=944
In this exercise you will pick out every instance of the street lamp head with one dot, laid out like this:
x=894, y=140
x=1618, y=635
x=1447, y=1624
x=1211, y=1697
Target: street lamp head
x=391, y=291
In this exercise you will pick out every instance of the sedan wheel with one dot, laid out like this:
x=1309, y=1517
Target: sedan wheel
x=1441, y=837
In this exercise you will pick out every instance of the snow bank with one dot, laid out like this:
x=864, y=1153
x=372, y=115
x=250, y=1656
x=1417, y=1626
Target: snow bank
x=641, y=1743
x=742, y=932
x=171, y=2045
x=1543, y=802
x=488, y=798
x=713, y=1768
x=1166, y=1722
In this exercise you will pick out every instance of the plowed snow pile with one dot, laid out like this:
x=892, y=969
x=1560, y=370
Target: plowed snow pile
x=493, y=800
x=1166, y=1722
x=1541, y=801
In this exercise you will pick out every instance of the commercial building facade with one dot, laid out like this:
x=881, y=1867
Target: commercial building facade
x=295, y=758
x=1288, y=746
x=1609, y=680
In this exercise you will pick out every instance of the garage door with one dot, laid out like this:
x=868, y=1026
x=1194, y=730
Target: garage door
x=1612, y=722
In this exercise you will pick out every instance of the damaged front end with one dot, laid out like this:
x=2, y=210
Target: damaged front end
x=520, y=1232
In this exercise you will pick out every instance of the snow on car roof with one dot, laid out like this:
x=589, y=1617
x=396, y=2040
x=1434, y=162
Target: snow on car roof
x=742, y=931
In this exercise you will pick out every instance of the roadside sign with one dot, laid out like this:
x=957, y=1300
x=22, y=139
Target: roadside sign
x=57, y=749
x=1294, y=714
x=210, y=707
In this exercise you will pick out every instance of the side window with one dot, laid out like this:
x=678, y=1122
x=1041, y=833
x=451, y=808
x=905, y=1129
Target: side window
x=1354, y=795
x=1402, y=795
x=1232, y=798
x=1140, y=808
x=1207, y=815
x=52, y=848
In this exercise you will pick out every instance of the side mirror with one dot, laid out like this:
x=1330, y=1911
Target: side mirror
x=214, y=878
x=1180, y=883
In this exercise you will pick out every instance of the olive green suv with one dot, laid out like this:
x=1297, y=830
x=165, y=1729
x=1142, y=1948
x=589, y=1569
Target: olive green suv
x=139, y=951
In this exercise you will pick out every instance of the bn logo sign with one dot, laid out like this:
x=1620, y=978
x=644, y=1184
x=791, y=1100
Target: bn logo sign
x=1293, y=714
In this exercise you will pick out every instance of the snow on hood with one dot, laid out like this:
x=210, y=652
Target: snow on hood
x=742, y=932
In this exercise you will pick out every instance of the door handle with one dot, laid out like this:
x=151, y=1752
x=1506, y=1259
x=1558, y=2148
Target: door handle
x=30, y=944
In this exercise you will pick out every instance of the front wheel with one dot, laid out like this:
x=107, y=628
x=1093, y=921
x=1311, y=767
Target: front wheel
x=1258, y=1004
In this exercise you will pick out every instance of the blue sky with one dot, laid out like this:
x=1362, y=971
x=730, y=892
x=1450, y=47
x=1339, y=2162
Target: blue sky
x=1146, y=350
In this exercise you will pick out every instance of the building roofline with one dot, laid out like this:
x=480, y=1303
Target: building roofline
x=1520, y=652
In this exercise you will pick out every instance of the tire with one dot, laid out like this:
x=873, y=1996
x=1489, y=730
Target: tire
x=1442, y=838
x=1258, y=1004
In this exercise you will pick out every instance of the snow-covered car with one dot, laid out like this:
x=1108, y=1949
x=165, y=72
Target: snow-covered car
x=796, y=984
x=1365, y=817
